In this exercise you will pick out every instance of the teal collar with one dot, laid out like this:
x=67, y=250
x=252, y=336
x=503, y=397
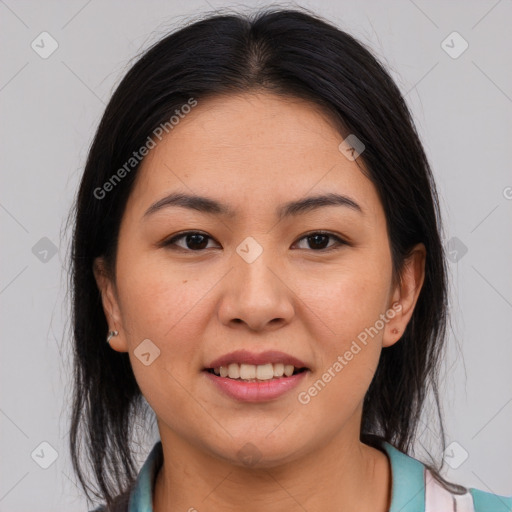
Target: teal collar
x=407, y=481
x=407, y=473
x=141, y=498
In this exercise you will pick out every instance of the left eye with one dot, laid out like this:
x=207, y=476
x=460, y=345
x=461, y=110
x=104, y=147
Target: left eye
x=197, y=241
x=318, y=239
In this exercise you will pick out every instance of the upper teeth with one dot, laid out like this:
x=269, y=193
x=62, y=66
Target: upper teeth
x=251, y=371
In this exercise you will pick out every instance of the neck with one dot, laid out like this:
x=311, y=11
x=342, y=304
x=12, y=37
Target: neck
x=343, y=475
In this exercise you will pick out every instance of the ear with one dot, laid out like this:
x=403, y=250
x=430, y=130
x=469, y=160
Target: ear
x=404, y=295
x=110, y=303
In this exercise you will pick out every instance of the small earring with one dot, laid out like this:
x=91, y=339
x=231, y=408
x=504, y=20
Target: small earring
x=395, y=331
x=111, y=334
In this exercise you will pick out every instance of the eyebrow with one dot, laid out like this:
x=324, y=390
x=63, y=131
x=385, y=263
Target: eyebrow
x=213, y=207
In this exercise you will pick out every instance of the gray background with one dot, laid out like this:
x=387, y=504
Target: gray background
x=50, y=109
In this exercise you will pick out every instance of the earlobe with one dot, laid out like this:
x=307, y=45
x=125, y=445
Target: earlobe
x=405, y=295
x=110, y=306
x=395, y=326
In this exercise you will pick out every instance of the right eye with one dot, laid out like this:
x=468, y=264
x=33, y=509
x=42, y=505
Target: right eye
x=192, y=241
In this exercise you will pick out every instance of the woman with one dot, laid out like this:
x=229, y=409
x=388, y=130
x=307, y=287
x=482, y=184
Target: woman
x=257, y=238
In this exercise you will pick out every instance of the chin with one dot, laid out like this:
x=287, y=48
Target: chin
x=257, y=451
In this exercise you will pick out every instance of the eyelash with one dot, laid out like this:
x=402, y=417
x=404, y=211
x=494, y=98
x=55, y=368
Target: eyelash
x=171, y=241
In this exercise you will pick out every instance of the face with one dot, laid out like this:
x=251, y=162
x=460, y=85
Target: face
x=256, y=276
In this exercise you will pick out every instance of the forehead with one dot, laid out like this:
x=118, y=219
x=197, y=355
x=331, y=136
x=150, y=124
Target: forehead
x=253, y=149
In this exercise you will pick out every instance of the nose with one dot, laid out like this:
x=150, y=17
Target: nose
x=256, y=295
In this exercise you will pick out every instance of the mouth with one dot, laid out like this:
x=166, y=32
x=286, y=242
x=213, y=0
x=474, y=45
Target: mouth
x=251, y=366
x=256, y=377
x=256, y=383
x=256, y=373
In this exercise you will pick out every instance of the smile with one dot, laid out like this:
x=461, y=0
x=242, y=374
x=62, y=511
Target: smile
x=254, y=373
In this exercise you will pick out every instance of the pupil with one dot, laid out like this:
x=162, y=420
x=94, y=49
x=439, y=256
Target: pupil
x=195, y=241
x=317, y=241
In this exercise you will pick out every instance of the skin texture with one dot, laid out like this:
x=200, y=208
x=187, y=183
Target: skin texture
x=255, y=151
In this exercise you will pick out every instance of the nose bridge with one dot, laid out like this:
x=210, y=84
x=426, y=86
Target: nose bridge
x=256, y=266
x=255, y=294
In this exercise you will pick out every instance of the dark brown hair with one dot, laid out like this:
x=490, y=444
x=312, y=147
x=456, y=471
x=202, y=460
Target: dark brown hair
x=292, y=53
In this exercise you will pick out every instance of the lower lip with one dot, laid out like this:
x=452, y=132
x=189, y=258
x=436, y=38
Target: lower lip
x=256, y=391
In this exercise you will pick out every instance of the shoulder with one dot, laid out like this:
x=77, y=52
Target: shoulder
x=488, y=502
x=439, y=497
x=138, y=495
x=416, y=489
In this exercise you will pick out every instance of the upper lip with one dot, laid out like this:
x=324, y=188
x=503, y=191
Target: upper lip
x=246, y=357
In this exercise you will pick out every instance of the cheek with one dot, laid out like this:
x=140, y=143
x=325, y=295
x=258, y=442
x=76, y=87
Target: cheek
x=148, y=292
x=348, y=303
x=348, y=299
x=348, y=344
x=165, y=303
